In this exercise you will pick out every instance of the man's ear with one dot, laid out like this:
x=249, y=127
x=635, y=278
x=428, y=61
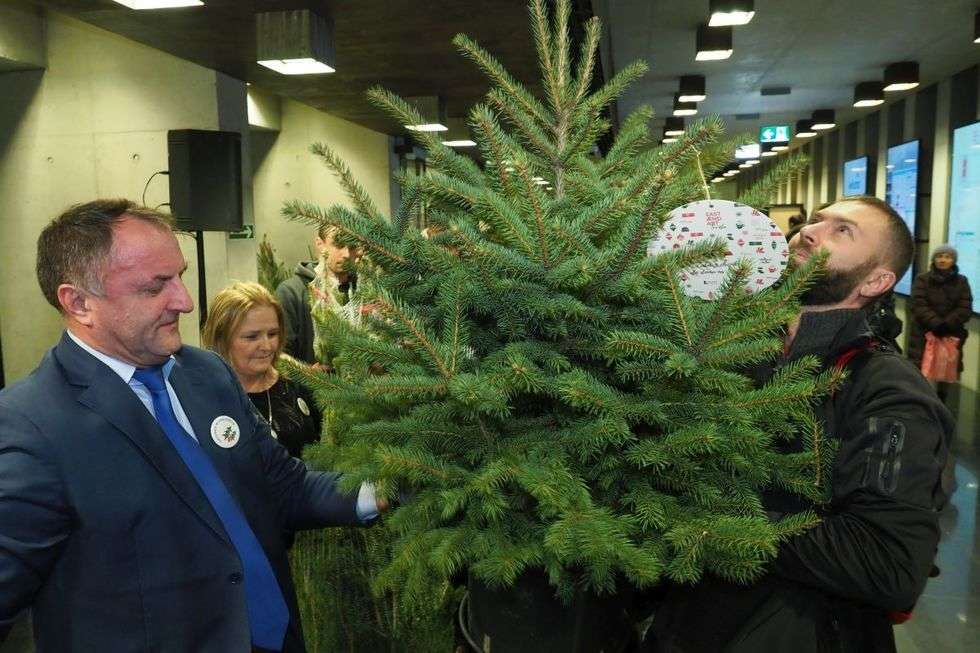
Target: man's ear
x=878, y=282
x=75, y=303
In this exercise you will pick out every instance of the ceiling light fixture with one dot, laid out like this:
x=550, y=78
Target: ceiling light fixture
x=780, y=148
x=692, y=89
x=823, y=119
x=768, y=153
x=296, y=42
x=713, y=43
x=463, y=142
x=868, y=94
x=730, y=12
x=433, y=111
x=684, y=108
x=159, y=4
x=804, y=129
x=717, y=180
x=901, y=76
x=674, y=126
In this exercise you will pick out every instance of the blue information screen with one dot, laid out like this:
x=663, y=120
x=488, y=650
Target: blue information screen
x=856, y=177
x=901, y=192
x=964, y=204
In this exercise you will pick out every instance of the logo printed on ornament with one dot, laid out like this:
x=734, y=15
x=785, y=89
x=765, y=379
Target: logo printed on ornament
x=749, y=234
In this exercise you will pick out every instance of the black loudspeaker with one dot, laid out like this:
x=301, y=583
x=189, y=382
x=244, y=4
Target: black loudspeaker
x=205, y=179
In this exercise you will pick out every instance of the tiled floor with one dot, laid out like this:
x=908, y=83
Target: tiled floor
x=947, y=617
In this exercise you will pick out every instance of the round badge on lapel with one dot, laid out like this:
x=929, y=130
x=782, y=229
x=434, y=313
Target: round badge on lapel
x=225, y=431
x=303, y=407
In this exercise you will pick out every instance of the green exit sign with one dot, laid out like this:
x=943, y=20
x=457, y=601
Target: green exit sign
x=247, y=233
x=774, y=134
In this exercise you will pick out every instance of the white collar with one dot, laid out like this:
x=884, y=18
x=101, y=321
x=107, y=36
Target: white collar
x=123, y=369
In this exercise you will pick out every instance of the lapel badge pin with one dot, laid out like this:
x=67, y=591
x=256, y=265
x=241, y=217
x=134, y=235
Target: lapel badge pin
x=302, y=405
x=225, y=432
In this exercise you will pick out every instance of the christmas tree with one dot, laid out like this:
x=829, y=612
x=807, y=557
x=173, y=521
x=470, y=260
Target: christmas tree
x=541, y=387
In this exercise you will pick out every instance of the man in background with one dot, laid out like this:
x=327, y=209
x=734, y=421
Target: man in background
x=294, y=292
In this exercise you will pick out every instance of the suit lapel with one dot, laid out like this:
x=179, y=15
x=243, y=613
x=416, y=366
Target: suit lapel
x=200, y=404
x=109, y=397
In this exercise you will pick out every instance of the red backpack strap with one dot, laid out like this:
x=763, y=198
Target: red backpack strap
x=846, y=357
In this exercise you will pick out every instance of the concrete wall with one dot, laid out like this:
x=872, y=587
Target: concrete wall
x=94, y=124
x=284, y=168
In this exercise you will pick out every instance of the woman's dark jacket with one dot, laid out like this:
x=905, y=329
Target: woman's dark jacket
x=942, y=303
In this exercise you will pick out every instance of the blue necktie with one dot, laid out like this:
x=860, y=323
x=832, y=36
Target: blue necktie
x=268, y=615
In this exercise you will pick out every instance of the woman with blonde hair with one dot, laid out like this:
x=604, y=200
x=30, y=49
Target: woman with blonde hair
x=245, y=326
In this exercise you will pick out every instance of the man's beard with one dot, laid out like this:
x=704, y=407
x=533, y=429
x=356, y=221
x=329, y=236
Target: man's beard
x=834, y=286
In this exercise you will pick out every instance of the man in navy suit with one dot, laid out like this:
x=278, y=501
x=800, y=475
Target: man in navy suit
x=141, y=500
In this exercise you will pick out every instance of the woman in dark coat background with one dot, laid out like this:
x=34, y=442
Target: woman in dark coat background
x=941, y=303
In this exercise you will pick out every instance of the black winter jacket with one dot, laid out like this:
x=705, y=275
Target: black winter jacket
x=294, y=295
x=831, y=588
x=941, y=302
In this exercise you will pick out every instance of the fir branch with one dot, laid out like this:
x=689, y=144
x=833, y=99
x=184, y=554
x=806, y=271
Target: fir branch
x=533, y=196
x=587, y=57
x=310, y=214
x=500, y=77
x=633, y=134
x=493, y=143
x=440, y=157
x=410, y=322
x=762, y=191
x=731, y=289
x=541, y=31
x=362, y=201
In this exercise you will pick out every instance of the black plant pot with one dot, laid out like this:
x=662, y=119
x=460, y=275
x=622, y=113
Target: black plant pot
x=529, y=618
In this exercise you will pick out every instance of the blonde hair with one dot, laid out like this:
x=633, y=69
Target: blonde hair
x=228, y=311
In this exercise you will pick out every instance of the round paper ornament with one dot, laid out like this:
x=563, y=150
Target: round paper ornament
x=750, y=234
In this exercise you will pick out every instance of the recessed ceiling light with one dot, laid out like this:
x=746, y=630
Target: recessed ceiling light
x=730, y=12
x=692, y=89
x=713, y=43
x=717, y=180
x=780, y=148
x=804, y=129
x=769, y=153
x=823, y=119
x=868, y=94
x=901, y=76
x=304, y=66
x=668, y=139
x=159, y=4
x=684, y=108
x=428, y=127
x=460, y=143
x=674, y=126
x=294, y=42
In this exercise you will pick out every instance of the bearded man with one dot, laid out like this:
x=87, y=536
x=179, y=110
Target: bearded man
x=841, y=585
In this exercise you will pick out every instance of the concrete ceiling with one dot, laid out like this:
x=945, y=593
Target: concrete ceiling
x=820, y=49
x=404, y=45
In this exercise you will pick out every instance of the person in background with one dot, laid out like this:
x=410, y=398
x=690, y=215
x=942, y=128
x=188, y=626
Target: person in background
x=245, y=327
x=294, y=293
x=941, y=303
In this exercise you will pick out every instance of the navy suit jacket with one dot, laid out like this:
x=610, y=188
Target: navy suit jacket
x=105, y=533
